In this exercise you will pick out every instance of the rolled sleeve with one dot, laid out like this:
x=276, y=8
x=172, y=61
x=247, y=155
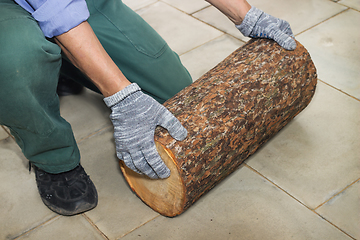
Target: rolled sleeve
x=56, y=17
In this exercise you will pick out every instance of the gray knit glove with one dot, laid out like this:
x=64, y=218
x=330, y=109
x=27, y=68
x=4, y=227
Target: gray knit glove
x=258, y=24
x=135, y=116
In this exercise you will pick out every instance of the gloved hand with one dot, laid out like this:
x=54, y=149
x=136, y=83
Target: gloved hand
x=135, y=116
x=258, y=24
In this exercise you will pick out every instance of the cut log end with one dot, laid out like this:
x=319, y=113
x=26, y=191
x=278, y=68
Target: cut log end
x=229, y=113
x=166, y=196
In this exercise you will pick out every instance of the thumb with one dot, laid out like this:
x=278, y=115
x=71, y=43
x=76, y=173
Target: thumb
x=173, y=125
x=284, y=40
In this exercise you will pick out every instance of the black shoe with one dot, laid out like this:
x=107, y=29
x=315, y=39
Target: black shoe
x=67, y=193
x=67, y=86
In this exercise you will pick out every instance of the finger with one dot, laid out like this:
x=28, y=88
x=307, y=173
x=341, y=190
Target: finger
x=173, y=125
x=285, y=28
x=142, y=165
x=126, y=158
x=284, y=40
x=155, y=162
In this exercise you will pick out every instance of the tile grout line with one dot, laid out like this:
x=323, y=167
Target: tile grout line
x=197, y=19
x=220, y=30
x=337, y=194
x=138, y=227
x=200, y=10
x=41, y=224
x=143, y=7
x=347, y=94
x=93, y=134
x=94, y=226
x=312, y=210
x=263, y=176
x=190, y=15
x=224, y=34
x=335, y=226
x=337, y=14
x=348, y=6
x=7, y=131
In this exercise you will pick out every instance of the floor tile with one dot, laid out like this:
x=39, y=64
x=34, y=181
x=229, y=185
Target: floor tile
x=301, y=15
x=3, y=133
x=135, y=5
x=188, y=6
x=344, y=210
x=351, y=3
x=87, y=113
x=214, y=17
x=334, y=46
x=64, y=228
x=119, y=210
x=182, y=32
x=21, y=206
x=317, y=154
x=291, y=10
x=202, y=59
x=313, y=159
x=245, y=206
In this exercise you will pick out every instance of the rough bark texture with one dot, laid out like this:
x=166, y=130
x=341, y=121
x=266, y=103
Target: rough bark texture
x=233, y=110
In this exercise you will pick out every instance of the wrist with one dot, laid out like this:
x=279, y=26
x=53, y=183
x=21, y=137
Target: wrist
x=121, y=95
x=249, y=21
x=235, y=10
x=242, y=10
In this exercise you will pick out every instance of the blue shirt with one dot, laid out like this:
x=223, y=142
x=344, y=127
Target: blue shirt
x=56, y=16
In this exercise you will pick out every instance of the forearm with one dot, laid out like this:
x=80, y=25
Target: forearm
x=84, y=50
x=235, y=10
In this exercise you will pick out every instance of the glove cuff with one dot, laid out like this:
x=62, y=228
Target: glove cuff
x=249, y=21
x=121, y=95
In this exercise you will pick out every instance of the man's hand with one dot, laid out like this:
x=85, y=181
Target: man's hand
x=258, y=24
x=135, y=116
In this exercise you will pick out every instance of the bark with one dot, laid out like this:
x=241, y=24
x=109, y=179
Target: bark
x=229, y=113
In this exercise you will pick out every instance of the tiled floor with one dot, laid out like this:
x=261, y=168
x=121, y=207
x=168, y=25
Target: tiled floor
x=304, y=184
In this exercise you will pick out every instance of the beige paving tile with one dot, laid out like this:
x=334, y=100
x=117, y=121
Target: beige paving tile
x=119, y=210
x=135, y=5
x=20, y=203
x=188, y=6
x=64, y=228
x=182, y=32
x=3, y=133
x=202, y=59
x=87, y=113
x=215, y=18
x=244, y=206
x=300, y=14
x=317, y=154
x=334, y=46
x=351, y=3
x=344, y=210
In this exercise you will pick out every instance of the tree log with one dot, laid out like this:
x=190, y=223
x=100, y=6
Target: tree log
x=229, y=113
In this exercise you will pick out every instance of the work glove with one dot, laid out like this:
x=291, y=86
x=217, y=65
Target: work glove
x=258, y=24
x=135, y=116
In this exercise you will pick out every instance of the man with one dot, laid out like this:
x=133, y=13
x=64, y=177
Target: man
x=108, y=48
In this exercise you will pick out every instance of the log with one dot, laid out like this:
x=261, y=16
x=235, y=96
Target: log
x=229, y=113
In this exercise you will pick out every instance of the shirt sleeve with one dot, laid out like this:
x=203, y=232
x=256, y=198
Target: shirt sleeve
x=56, y=17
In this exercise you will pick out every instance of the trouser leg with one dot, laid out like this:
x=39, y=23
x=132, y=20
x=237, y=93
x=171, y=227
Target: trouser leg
x=29, y=69
x=140, y=53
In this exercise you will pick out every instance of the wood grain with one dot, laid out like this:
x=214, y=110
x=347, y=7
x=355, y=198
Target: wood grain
x=229, y=113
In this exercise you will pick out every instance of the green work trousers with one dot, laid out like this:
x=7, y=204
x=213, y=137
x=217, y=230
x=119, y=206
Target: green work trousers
x=30, y=66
